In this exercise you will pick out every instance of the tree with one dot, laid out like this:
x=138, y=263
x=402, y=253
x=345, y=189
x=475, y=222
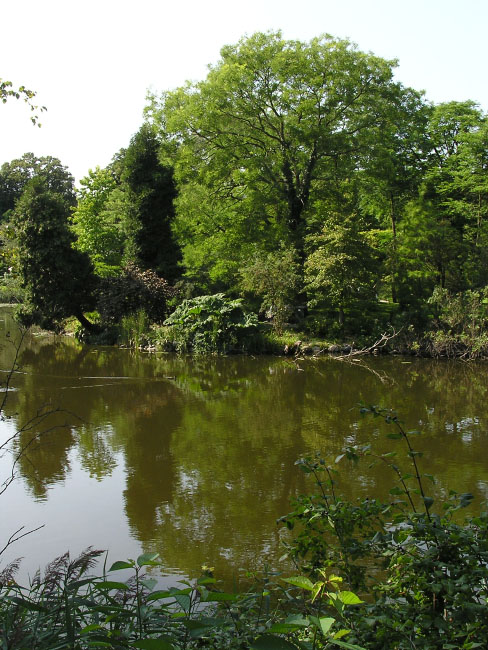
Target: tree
x=7, y=91
x=98, y=219
x=271, y=129
x=393, y=176
x=445, y=232
x=275, y=278
x=150, y=190
x=343, y=269
x=15, y=175
x=58, y=279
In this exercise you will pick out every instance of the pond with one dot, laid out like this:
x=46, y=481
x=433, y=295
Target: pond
x=195, y=457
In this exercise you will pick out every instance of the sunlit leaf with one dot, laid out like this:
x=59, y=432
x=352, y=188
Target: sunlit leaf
x=147, y=559
x=116, y=566
x=300, y=581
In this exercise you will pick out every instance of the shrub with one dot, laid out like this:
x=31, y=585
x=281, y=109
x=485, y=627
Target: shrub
x=425, y=569
x=133, y=291
x=461, y=323
x=211, y=324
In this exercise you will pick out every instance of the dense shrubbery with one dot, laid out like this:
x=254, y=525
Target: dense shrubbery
x=461, y=324
x=133, y=291
x=211, y=324
x=424, y=568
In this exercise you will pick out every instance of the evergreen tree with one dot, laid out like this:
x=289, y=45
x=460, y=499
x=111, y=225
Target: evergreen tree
x=150, y=191
x=57, y=278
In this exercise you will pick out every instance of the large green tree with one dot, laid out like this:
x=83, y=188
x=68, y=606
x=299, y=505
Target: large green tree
x=15, y=175
x=274, y=126
x=445, y=233
x=57, y=278
x=150, y=191
x=98, y=219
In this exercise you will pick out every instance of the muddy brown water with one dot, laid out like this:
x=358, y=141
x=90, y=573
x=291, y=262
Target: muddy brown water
x=195, y=457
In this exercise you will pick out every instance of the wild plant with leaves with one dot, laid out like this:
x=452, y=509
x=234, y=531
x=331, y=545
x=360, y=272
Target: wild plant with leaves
x=424, y=569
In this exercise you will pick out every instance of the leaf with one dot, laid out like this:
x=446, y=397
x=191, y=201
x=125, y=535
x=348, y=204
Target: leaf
x=152, y=644
x=33, y=607
x=344, y=644
x=269, y=642
x=283, y=628
x=220, y=597
x=111, y=584
x=158, y=595
x=300, y=581
x=394, y=436
x=90, y=628
x=465, y=499
x=206, y=581
x=396, y=490
x=147, y=559
x=325, y=624
x=117, y=566
x=428, y=502
x=298, y=619
x=349, y=598
x=149, y=583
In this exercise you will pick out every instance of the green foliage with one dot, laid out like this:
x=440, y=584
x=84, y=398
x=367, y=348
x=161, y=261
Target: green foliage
x=343, y=269
x=98, y=220
x=58, y=280
x=151, y=190
x=134, y=291
x=275, y=278
x=424, y=567
x=7, y=91
x=272, y=130
x=10, y=289
x=134, y=329
x=68, y=608
x=460, y=324
x=16, y=174
x=213, y=324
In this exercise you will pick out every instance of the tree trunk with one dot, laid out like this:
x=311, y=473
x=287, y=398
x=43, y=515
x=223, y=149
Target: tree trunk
x=91, y=327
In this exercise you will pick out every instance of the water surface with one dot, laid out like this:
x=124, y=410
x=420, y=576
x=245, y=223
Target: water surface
x=194, y=458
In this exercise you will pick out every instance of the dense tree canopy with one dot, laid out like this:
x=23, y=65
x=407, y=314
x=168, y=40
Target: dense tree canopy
x=98, y=219
x=15, y=175
x=294, y=174
x=269, y=133
x=58, y=279
x=150, y=191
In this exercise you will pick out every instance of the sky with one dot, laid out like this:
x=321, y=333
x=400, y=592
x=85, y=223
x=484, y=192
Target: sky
x=92, y=61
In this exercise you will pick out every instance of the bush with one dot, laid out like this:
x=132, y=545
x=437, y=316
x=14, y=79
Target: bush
x=131, y=292
x=425, y=569
x=461, y=324
x=68, y=608
x=214, y=324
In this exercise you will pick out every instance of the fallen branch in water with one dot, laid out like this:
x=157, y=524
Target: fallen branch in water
x=371, y=349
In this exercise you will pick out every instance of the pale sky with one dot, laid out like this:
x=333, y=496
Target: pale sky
x=92, y=62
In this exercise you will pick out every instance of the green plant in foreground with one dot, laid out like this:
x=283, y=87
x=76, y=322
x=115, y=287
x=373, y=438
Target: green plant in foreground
x=68, y=608
x=423, y=569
